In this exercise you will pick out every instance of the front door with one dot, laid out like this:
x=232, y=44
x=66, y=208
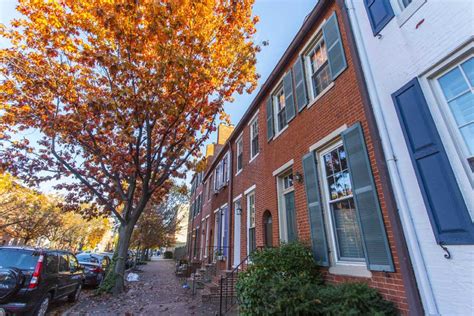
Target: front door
x=237, y=219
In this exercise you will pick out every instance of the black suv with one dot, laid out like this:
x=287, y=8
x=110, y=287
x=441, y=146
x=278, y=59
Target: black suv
x=31, y=278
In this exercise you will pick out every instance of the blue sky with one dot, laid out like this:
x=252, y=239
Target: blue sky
x=279, y=22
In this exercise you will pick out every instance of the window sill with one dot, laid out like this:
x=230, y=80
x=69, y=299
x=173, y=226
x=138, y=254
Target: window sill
x=407, y=13
x=319, y=96
x=280, y=132
x=350, y=269
x=239, y=172
x=254, y=157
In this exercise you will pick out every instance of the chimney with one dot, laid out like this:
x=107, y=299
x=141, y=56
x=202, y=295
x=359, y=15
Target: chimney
x=223, y=133
x=210, y=150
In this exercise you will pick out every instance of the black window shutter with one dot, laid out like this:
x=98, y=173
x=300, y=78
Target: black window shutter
x=450, y=219
x=289, y=98
x=380, y=12
x=318, y=231
x=335, y=50
x=300, y=84
x=377, y=250
x=270, y=130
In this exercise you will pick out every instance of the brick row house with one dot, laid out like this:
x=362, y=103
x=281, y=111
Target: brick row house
x=305, y=163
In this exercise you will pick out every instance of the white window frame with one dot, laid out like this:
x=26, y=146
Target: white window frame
x=275, y=102
x=239, y=144
x=315, y=40
x=248, y=195
x=404, y=13
x=251, y=124
x=337, y=266
x=281, y=191
x=442, y=116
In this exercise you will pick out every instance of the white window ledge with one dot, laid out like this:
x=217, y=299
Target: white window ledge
x=319, y=96
x=356, y=270
x=407, y=12
x=239, y=172
x=254, y=157
x=280, y=132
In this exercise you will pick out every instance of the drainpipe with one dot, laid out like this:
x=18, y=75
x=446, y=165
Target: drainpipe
x=231, y=206
x=419, y=266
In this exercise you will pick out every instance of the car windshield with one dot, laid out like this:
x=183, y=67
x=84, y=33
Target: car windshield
x=87, y=258
x=18, y=258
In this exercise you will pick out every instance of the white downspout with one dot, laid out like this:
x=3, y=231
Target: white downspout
x=419, y=267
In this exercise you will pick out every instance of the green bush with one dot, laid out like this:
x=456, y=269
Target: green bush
x=168, y=255
x=286, y=281
x=280, y=281
x=354, y=299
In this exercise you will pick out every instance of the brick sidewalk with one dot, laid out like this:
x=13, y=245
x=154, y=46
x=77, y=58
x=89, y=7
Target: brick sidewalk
x=158, y=292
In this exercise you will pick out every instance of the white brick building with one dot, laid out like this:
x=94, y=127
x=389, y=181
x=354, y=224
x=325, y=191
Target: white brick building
x=417, y=59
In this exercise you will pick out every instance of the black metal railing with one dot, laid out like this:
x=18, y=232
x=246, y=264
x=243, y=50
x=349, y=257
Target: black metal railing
x=227, y=296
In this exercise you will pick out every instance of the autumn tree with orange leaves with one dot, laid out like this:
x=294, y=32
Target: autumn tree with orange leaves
x=122, y=94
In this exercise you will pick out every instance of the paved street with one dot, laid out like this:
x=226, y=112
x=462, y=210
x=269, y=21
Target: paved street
x=158, y=292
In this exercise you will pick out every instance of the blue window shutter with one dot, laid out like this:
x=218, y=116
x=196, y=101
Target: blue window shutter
x=316, y=218
x=300, y=84
x=219, y=231
x=226, y=231
x=335, y=50
x=291, y=216
x=289, y=96
x=380, y=12
x=450, y=219
x=270, y=130
x=377, y=250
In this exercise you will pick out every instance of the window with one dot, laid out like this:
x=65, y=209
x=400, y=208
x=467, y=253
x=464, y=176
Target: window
x=222, y=173
x=52, y=263
x=63, y=264
x=286, y=207
x=252, y=243
x=240, y=154
x=342, y=212
x=457, y=87
x=317, y=68
x=280, y=110
x=209, y=185
x=254, y=138
x=73, y=264
x=404, y=3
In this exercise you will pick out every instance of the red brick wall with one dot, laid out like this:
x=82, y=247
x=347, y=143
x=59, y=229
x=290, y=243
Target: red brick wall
x=342, y=104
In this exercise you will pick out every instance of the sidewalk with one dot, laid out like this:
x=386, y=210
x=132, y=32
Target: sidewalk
x=157, y=292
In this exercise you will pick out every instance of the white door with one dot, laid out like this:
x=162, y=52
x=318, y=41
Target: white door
x=237, y=219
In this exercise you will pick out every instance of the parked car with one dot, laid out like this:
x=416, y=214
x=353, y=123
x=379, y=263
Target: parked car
x=31, y=278
x=95, y=267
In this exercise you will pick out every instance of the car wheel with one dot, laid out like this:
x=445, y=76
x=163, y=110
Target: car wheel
x=73, y=297
x=43, y=306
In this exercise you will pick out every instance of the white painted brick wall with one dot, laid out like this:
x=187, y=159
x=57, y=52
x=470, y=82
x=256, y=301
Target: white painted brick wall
x=400, y=55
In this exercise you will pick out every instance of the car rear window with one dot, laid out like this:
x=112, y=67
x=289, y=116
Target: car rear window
x=18, y=258
x=87, y=258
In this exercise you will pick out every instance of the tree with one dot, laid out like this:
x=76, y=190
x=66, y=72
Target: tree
x=123, y=94
x=158, y=224
x=25, y=213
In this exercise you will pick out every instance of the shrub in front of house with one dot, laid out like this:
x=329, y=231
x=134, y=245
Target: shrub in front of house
x=168, y=255
x=286, y=281
x=280, y=281
x=353, y=299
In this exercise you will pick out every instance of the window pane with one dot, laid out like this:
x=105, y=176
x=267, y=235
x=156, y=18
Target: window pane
x=328, y=164
x=322, y=79
x=463, y=108
x=468, y=68
x=342, y=157
x=468, y=135
x=347, y=230
x=453, y=83
x=342, y=184
x=406, y=2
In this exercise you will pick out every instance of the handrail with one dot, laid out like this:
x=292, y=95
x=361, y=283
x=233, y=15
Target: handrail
x=231, y=276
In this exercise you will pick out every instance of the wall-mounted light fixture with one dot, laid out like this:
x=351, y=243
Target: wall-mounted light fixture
x=298, y=177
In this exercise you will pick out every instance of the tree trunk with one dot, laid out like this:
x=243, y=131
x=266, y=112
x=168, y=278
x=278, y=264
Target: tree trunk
x=125, y=234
